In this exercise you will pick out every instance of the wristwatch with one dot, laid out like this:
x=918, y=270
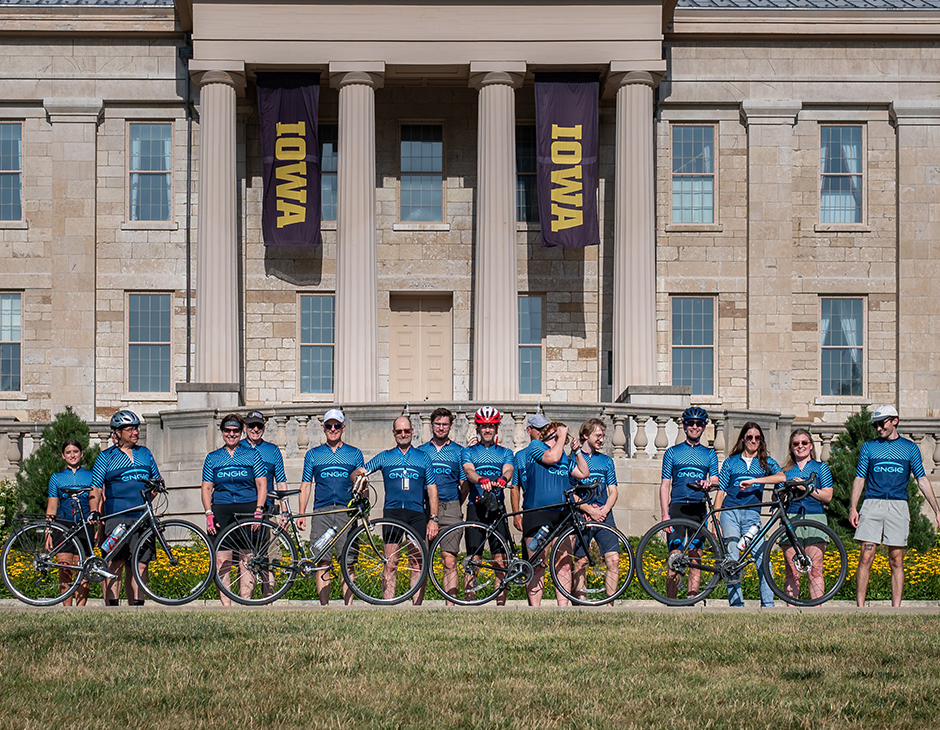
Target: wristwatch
x=434, y=518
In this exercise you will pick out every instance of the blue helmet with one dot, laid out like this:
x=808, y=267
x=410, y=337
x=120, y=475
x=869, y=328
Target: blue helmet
x=124, y=418
x=694, y=414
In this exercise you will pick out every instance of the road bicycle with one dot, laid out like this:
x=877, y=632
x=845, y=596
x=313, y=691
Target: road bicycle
x=602, y=567
x=681, y=561
x=45, y=560
x=383, y=561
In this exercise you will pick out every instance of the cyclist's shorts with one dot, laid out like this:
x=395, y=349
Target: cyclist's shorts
x=474, y=538
x=417, y=520
x=147, y=554
x=320, y=523
x=532, y=521
x=449, y=514
x=80, y=537
x=694, y=511
x=607, y=542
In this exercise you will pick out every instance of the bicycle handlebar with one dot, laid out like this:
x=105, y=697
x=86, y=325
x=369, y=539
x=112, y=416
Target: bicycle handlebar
x=796, y=489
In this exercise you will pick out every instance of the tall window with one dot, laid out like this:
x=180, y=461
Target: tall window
x=527, y=204
x=693, y=173
x=329, y=162
x=316, y=343
x=149, y=166
x=693, y=343
x=148, y=338
x=842, y=344
x=841, y=185
x=10, y=342
x=422, y=172
x=530, y=344
x=11, y=171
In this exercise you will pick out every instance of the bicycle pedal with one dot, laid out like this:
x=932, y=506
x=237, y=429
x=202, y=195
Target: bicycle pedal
x=102, y=573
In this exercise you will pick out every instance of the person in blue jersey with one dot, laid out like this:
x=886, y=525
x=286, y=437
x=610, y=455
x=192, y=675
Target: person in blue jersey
x=548, y=472
x=270, y=454
x=408, y=478
x=234, y=486
x=61, y=506
x=883, y=472
x=452, y=488
x=801, y=463
x=685, y=464
x=742, y=479
x=488, y=467
x=117, y=480
x=517, y=495
x=598, y=506
x=329, y=467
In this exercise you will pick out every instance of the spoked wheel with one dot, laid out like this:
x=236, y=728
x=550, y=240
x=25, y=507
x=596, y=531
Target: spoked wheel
x=179, y=562
x=677, y=562
x=469, y=578
x=385, y=562
x=256, y=562
x=808, y=570
x=41, y=571
x=600, y=574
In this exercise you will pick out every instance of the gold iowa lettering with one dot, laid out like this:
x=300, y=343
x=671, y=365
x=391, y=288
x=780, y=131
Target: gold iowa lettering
x=566, y=181
x=291, y=177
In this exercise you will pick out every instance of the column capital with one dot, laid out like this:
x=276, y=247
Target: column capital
x=624, y=73
x=80, y=111
x=366, y=73
x=919, y=112
x=754, y=111
x=504, y=73
x=230, y=73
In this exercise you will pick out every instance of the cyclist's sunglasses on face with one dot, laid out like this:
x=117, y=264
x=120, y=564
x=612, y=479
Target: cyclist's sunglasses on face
x=693, y=423
x=802, y=443
x=402, y=431
x=332, y=426
x=749, y=437
x=235, y=431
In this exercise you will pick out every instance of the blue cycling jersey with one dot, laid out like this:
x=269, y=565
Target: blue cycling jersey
x=406, y=475
x=602, y=470
x=233, y=475
x=887, y=465
x=122, y=478
x=519, y=477
x=685, y=464
x=331, y=471
x=448, y=468
x=546, y=484
x=734, y=471
x=488, y=461
x=810, y=505
x=273, y=464
x=68, y=510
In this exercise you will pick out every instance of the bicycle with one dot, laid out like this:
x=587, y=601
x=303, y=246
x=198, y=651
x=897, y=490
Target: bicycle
x=180, y=570
x=383, y=561
x=604, y=574
x=680, y=561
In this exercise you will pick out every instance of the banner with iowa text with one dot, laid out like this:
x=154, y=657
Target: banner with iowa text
x=290, y=151
x=566, y=151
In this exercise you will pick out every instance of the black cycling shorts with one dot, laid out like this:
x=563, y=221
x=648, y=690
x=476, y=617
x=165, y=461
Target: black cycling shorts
x=694, y=511
x=417, y=520
x=475, y=537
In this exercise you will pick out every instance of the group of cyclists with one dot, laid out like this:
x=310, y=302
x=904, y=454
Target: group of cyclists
x=441, y=483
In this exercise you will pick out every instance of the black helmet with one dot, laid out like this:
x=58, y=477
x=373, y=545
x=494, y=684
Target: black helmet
x=694, y=414
x=124, y=418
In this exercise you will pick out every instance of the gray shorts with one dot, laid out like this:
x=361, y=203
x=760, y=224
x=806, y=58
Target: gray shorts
x=320, y=523
x=449, y=514
x=884, y=522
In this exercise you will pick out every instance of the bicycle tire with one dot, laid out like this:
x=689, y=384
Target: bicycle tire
x=182, y=566
x=270, y=567
x=364, y=563
x=479, y=578
x=31, y=573
x=829, y=587
x=597, y=590
x=654, y=558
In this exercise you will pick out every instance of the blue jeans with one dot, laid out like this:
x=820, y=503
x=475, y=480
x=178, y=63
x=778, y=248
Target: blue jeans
x=734, y=524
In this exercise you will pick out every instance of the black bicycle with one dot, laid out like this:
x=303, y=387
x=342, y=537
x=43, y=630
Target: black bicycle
x=681, y=561
x=45, y=560
x=601, y=566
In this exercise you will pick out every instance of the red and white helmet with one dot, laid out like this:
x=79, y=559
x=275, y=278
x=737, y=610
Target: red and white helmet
x=487, y=414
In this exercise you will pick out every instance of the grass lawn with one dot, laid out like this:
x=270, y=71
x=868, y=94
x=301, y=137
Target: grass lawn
x=466, y=669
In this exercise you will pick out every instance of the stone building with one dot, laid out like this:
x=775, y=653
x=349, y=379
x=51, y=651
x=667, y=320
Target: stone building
x=769, y=175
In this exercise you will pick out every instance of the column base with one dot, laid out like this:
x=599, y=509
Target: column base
x=198, y=396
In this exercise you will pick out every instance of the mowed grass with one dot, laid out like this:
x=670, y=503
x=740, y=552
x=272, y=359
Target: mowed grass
x=466, y=669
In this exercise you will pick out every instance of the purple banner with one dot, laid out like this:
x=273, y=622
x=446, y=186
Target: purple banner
x=290, y=152
x=566, y=151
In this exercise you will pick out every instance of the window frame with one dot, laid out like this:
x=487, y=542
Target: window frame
x=863, y=347
x=672, y=222
x=128, y=344
x=863, y=212
x=533, y=223
x=128, y=219
x=529, y=345
x=314, y=395
x=331, y=174
x=443, y=173
x=4, y=394
x=713, y=347
x=6, y=222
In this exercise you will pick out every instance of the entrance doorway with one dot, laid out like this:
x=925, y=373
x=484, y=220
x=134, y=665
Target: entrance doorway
x=421, y=347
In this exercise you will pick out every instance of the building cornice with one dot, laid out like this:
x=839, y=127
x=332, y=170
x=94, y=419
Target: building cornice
x=778, y=23
x=87, y=19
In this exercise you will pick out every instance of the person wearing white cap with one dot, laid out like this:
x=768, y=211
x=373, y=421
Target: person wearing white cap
x=884, y=470
x=330, y=466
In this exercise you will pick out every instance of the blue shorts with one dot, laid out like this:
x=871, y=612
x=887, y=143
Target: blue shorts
x=607, y=542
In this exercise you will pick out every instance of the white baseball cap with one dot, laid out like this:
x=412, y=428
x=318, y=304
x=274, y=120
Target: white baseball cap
x=334, y=414
x=883, y=412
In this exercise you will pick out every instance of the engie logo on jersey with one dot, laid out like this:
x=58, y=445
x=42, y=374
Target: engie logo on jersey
x=689, y=474
x=403, y=473
x=232, y=473
x=334, y=474
x=443, y=469
x=134, y=476
x=890, y=467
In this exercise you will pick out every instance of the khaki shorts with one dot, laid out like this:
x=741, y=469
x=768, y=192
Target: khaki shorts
x=320, y=523
x=449, y=514
x=807, y=535
x=884, y=522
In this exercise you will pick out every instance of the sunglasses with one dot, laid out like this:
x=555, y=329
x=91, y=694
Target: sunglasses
x=882, y=424
x=694, y=424
x=230, y=431
x=402, y=431
x=332, y=426
x=802, y=443
x=753, y=438
x=255, y=427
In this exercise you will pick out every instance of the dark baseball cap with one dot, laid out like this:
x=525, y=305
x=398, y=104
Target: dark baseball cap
x=254, y=417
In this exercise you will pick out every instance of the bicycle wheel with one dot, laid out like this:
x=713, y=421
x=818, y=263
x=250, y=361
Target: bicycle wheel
x=677, y=562
x=602, y=574
x=809, y=572
x=475, y=577
x=256, y=562
x=385, y=562
x=37, y=575
x=178, y=562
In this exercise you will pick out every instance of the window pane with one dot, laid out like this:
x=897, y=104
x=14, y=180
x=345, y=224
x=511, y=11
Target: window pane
x=693, y=340
x=530, y=320
x=841, y=185
x=527, y=206
x=841, y=372
x=329, y=162
x=842, y=339
x=421, y=197
x=149, y=182
x=530, y=370
x=316, y=369
x=316, y=336
x=422, y=164
x=148, y=351
x=11, y=179
x=693, y=149
x=694, y=367
x=422, y=148
x=10, y=366
x=150, y=196
x=11, y=147
x=10, y=317
x=148, y=368
x=693, y=179
x=316, y=320
x=150, y=147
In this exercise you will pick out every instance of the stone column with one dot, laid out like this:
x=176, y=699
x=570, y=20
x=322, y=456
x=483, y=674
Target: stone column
x=217, y=361
x=496, y=319
x=634, y=290
x=770, y=252
x=918, y=286
x=357, y=336
x=71, y=350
